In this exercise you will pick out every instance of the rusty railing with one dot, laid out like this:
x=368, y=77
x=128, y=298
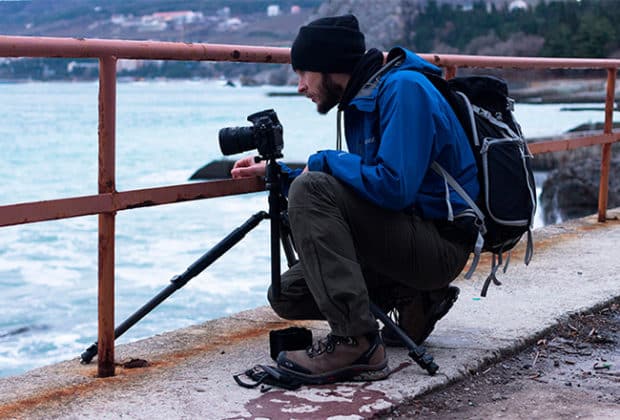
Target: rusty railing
x=108, y=201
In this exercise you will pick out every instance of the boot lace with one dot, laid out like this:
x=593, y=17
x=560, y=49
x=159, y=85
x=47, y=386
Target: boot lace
x=328, y=344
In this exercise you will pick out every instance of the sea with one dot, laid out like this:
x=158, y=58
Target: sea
x=165, y=131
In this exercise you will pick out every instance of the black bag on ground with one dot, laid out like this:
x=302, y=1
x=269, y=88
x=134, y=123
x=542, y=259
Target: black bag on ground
x=506, y=205
x=287, y=339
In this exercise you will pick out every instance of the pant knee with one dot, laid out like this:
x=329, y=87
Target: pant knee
x=291, y=310
x=307, y=184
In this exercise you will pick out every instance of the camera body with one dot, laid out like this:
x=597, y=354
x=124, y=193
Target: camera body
x=265, y=135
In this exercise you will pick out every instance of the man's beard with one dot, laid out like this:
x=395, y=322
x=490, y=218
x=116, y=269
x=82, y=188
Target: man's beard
x=331, y=93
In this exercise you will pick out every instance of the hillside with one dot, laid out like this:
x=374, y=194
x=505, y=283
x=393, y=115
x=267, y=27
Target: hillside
x=215, y=21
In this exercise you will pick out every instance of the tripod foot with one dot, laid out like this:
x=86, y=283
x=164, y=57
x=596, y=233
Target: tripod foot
x=88, y=354
x=417, y=353
x=424, y=360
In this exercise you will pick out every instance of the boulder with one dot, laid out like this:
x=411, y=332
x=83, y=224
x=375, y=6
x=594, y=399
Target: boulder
x=571, y=190
x=220, y=169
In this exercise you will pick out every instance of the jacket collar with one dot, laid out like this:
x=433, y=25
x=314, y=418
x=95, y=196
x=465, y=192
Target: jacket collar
x=365, y=98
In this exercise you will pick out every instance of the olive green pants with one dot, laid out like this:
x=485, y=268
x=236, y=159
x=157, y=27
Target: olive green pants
x=351, y=250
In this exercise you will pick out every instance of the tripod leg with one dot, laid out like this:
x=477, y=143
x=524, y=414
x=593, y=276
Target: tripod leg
x=181, y=280
x=417, y=353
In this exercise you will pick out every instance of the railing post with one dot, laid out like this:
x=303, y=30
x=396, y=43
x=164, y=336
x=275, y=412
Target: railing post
x=450, y=72
x=107, y=184
x=606, y=148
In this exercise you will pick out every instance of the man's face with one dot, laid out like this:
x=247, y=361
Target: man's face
x=320, y=88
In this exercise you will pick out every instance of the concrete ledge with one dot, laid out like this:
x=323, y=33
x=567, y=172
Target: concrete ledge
x=575, y=267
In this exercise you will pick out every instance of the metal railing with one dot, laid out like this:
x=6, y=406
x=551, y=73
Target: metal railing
x=108, y=200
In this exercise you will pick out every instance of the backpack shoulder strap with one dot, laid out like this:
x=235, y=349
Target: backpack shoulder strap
x=479, y=216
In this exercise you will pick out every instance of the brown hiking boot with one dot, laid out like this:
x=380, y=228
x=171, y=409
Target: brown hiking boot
x=336, y=358
x=418, y=316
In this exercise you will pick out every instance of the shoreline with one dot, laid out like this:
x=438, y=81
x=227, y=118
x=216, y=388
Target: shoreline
x=552, y=91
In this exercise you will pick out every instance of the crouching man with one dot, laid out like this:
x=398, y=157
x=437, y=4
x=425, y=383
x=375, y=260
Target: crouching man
x=371, y=223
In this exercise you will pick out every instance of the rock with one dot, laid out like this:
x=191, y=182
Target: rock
x=220, y=169
x=135, y=363
x=383, y=22
x=251, y=81
x=571, y=191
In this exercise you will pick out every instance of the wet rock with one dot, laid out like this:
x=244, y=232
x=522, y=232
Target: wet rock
x=571, y=191
x=135, y=363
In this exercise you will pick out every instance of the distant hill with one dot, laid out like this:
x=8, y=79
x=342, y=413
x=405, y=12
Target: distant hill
x=216, y=21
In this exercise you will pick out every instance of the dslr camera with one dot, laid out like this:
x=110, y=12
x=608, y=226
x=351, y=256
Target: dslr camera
x=265, y=135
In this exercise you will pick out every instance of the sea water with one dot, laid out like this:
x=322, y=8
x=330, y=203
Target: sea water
x=165, y=131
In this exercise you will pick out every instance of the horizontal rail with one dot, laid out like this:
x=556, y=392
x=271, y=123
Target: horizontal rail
x=15, y=214
x=573, y=143
x=23, y=46
x=461, y=61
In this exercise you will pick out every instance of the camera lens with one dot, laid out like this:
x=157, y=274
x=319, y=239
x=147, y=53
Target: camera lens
x=235, y=140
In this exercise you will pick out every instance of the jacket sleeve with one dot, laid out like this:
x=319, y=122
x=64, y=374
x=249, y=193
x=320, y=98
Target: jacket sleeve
x=288, y=176
x=407, y=131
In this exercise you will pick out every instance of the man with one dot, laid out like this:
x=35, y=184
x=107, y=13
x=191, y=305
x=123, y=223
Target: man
x=371, y=223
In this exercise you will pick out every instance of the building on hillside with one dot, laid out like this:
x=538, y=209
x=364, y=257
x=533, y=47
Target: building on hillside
x=81, y=66
x=273, y=10
x=223, y=13
x=229, y=25
x=128, y=65
x=148, y=24
x=179, y=17
x=517, y=5
x=499, y=4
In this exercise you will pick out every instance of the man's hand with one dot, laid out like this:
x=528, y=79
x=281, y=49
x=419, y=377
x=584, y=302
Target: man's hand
x=247, y=168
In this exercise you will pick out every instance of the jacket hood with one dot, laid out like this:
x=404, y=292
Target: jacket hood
x=364, y=100
x=412, y=61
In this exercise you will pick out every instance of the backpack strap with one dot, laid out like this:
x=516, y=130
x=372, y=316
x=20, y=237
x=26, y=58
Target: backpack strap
x=460, y=191
x=489, y=117
x=529, y=249
x=372, y=81
x=339, y=130
x=470, y=114
x=477, y=252
x=479, y=216
x=267, y=375
x=492, y=277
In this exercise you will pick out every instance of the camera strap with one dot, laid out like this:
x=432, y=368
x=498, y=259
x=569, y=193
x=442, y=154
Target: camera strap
x=339, y=130
x=267, y=375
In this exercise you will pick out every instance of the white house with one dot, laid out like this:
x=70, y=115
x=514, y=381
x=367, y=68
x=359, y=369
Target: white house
x=273, y=10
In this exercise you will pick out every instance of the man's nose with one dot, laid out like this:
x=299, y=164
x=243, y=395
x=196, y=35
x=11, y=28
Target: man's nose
x=301, y=86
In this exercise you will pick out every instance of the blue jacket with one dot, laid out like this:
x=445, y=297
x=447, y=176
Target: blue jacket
x=394, y=130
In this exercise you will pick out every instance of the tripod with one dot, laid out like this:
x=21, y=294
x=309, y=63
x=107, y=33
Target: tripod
x=279, y=233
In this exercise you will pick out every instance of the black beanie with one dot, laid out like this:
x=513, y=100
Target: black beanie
x=328, y=45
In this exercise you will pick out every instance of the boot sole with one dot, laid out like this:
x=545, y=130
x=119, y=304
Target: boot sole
x=359, y=373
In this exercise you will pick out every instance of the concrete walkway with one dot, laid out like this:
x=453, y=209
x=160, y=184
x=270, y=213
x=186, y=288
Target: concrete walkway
x=576, y=266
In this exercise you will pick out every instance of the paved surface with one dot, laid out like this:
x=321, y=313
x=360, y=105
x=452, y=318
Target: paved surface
x=575, y=267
